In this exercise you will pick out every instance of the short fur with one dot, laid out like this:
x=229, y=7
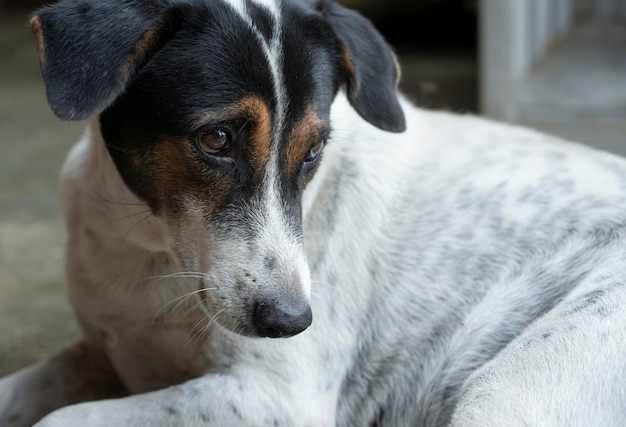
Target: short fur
x=461, y=272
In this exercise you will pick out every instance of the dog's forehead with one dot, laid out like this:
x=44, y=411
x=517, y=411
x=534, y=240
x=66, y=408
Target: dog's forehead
x=273, y=6
x=284, y=32
x=263, y=17
x=256, y=60
x=231, y=49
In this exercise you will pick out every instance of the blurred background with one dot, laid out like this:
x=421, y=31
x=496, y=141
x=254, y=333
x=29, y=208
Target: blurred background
x=555, y=65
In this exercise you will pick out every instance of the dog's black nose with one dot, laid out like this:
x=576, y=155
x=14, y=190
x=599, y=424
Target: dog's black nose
x=275, y=320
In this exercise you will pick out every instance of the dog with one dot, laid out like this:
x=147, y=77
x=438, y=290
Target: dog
x=263, y=232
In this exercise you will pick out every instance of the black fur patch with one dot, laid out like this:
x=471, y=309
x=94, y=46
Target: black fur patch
x=153, y=70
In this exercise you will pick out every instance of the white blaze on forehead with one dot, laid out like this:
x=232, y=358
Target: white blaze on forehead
x=271, y=5
x=271, y=48
x=276, y=230
x=239, y=6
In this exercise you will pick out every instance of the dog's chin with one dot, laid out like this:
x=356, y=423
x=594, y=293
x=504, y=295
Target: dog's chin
x=220, y=321
x=237, y=330
x=260, y=321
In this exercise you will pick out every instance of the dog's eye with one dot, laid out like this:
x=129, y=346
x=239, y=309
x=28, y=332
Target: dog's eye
x=213, y=141
x=315, y=152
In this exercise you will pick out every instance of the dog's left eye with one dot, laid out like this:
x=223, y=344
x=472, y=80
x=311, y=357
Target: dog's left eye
x=315, y=152
x=214, y=141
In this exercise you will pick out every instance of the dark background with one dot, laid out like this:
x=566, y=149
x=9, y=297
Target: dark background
x=436, y=41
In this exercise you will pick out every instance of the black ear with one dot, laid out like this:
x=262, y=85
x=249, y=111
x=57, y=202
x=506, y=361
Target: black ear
x=370, y=68
x=90, y=50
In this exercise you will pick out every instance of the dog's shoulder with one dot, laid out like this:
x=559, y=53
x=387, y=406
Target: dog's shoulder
x=451, y=152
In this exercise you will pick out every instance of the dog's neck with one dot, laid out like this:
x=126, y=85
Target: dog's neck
x=119, y=257
x=107, y=206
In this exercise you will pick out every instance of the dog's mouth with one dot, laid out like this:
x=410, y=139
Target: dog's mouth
x=220, y=318
x=265, y=319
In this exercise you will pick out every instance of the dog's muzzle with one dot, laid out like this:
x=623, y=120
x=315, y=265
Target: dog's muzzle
x=276, y=320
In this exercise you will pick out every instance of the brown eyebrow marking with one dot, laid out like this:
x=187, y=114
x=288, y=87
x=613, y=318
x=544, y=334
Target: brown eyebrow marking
x=259, y=117
x=261, y=134
x=305, y=131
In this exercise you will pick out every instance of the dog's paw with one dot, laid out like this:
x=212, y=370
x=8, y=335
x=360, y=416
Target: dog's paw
x=113, y=413
x=93, y=414
x=70, y=416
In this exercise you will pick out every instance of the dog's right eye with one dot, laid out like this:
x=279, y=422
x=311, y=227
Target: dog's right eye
x=214, y=142
x=315, y=152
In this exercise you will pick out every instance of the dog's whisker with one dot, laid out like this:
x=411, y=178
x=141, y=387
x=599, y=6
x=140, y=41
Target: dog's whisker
x=215, y=317
x=204, y=319
x=177, y=275
x=188, y=309
x=181, y=299
x=136, y=224
x=243, y=126
x=102, y=199
x=236, y=329
x=162, y=277
x=192, y=334
x=209, y=336
x=202, y=330
x=118, y=148
x=124, y=217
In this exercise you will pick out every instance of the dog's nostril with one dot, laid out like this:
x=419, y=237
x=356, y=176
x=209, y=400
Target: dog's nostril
x=276, y=321
x=270, y=332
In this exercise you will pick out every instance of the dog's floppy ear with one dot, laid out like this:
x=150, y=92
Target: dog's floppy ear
x=370, y=68
x=90, y=51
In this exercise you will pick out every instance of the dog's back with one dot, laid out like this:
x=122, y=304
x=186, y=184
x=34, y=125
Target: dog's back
x=463, y=233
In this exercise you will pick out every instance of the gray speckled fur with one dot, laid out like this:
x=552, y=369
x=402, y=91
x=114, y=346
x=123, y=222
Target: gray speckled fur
x=495, y=228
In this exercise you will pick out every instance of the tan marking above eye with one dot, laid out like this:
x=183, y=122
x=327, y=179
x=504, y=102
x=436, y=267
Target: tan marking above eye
x=304, y=133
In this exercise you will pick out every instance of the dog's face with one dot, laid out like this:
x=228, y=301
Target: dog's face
x=216, y=114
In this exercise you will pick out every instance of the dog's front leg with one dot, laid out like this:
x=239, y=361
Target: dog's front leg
x=77, y=374
x=212, y=400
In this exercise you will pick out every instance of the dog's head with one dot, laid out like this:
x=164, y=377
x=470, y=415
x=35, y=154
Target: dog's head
x=216, y=113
